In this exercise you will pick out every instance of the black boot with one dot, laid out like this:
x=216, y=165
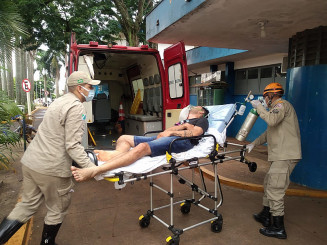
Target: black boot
x=49, y=234
x=263, y=217
x=8, y=228
x=277, y=229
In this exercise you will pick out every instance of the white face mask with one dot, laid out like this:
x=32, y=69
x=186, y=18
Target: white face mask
x=90, y=96
x=263, y=102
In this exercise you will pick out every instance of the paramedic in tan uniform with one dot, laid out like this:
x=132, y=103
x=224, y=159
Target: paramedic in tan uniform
x=46, y=163
x=284, y=151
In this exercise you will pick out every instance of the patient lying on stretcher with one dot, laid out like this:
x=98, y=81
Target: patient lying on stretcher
x=130, y=148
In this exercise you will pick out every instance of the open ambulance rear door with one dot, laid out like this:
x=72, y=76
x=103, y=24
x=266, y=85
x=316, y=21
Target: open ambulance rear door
x=176, y=86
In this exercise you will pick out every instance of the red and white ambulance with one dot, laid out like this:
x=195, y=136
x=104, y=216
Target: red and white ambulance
x=123, y=71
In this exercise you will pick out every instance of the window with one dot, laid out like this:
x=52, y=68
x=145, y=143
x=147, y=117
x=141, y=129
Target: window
x=266, y=72
x=253, y=74
x=138, y=85
x=175, y=81
x=257, y=78
x=241, y=74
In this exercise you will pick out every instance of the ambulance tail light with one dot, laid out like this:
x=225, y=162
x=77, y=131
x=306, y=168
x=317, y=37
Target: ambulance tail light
x=94, y=44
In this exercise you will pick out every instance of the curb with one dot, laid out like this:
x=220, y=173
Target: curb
x=22, y=236
x=259, y=188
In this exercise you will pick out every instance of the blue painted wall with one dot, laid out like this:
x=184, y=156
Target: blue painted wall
x=201, y=54
x=307, y=90
x=258, y=128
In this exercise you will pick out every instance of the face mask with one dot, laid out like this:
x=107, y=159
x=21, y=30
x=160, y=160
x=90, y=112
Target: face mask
x=263, y=102
x=90, y=95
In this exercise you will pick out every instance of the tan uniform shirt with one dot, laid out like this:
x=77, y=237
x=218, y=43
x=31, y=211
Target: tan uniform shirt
x=282, y=134
x=58, y=139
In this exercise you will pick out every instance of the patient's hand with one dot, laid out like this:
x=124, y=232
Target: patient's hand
x=103, y=155
x=165, y=133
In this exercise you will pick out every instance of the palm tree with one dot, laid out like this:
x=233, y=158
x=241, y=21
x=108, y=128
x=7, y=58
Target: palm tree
x=11, y=24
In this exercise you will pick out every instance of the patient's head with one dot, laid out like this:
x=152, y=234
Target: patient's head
x=197, y=112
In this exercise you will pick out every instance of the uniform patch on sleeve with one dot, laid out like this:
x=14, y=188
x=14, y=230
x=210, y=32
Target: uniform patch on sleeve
x=83, y=116
x=279, y=105
x=275, y=111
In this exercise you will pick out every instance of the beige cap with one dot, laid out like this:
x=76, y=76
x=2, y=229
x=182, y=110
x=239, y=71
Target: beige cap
x=80, y=77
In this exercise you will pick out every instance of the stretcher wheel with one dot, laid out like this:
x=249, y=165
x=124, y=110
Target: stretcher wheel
x=185, y=207
x=252, y=167
x=217, y=224
x=144, y=221
x=172, y=240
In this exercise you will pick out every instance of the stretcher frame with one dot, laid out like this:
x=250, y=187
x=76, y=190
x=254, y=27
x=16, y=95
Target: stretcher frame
x=174, y=168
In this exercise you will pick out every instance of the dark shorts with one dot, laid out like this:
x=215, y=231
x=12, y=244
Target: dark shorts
x=160, y=146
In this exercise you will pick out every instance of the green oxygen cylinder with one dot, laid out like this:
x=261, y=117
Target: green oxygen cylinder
x=247, y=125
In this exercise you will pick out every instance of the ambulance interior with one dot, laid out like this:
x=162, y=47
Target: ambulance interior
x=122, y=75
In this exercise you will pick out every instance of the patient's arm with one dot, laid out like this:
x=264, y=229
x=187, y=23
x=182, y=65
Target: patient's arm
x=188, y=131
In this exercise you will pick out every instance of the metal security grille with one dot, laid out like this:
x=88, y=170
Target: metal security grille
x=308, y=48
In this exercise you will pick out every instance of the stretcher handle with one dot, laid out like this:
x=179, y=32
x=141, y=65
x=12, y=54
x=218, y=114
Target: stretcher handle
x=193, y=137
x=92, y=156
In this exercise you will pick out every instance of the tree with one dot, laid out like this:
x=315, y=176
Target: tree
x=130, y=15
x=11, y=24
x=52, y=21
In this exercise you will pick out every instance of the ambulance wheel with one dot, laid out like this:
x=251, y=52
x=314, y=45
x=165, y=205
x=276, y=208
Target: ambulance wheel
x=185, y=207
x=217, y=224
x=144, y=221
x=172, y=240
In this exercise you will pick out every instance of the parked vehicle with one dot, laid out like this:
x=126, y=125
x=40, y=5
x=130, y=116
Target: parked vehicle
x=123, y=71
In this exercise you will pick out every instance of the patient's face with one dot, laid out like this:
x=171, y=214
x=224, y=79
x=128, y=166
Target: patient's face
x=197, y=111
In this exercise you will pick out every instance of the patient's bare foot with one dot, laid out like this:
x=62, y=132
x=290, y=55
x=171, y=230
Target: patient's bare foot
x=82, y=174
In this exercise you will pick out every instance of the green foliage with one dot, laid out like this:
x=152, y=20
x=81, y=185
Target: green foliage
x=11, y=25
x=8, y=138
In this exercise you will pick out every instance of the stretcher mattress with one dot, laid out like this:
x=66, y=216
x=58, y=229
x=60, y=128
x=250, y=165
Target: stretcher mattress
x=218, y=118
x=147, y=164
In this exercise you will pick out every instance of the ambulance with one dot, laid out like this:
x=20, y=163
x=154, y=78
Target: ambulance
x=150, y=90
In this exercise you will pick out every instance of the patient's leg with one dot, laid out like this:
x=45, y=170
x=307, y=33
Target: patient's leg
x=124, y=144
x=124, y=159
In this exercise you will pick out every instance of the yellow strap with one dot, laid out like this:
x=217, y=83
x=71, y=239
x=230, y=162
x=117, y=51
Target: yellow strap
x=136, y=102
x=93, y=141
x=112, y=179
x=168, y=156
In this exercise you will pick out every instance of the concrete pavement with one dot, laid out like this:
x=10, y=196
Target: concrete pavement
x=99, y=214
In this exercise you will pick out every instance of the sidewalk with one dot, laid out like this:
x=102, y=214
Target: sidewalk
x=99, y=214
x=237, y=174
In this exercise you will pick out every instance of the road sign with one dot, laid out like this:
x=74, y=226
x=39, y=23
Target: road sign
x=26, y=85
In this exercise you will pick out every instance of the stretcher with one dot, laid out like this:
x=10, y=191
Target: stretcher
x=211, y=150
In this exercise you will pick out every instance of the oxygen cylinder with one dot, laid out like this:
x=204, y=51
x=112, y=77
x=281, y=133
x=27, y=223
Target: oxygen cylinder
x=247, y=125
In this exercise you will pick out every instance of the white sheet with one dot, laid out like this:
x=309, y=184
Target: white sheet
x=147, y=163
